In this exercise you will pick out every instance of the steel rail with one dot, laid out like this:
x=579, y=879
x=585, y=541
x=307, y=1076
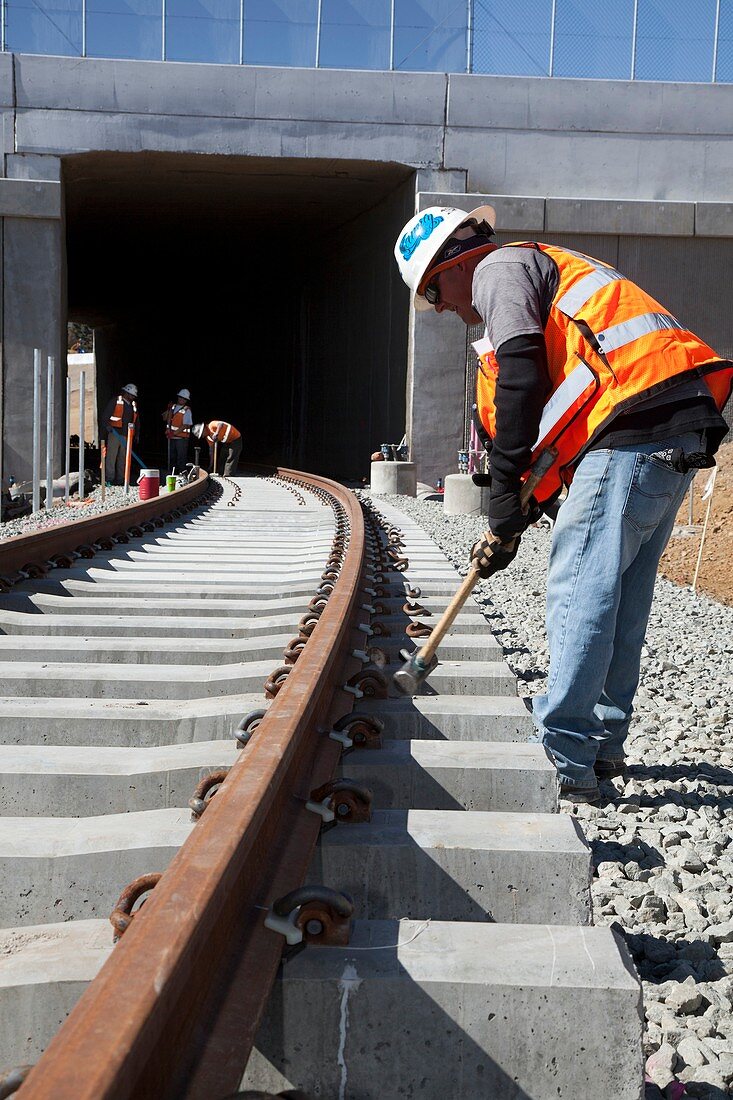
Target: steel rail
x=175, y=1009
x=39, y=546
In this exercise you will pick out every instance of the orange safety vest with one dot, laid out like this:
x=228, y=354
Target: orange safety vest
x=117, y=417
x=610, y=345
x=221, y=432
x=176, y=429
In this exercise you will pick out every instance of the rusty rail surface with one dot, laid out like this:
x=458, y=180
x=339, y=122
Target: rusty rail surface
x=175, y=1009
x=39, y=546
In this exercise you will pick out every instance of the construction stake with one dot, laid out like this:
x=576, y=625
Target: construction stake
x=128, y=457
x=102, y=468
x=707, y=492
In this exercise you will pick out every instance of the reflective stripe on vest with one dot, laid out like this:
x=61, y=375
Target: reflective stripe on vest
x=609, y=346
x=574, y=299
x=617, y=336
x=567, y=393
x=220, y=431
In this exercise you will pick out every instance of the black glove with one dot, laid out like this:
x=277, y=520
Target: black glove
x=507, y=517
x=488, y=556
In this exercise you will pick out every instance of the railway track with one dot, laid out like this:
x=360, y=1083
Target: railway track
x=212, y=700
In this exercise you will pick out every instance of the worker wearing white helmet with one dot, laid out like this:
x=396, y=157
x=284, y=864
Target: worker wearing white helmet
x=119, y=412
x=583, y=367
x=178, y=424
x=422, y=247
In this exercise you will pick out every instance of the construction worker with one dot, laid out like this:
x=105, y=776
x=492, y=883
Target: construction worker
x=223, y=439
x=576, y=357
x=119, y=412
x=178, y=424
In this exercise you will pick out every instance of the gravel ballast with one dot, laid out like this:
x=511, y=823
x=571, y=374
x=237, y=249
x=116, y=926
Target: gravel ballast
x=661, y=838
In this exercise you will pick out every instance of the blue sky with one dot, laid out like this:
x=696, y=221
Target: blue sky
x=593, y=38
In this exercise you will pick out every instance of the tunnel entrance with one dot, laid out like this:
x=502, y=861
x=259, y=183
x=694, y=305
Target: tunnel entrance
x=267, y=287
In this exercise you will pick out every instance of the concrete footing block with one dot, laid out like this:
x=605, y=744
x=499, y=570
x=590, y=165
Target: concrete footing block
x=94, y=604
x=516, y=868
x=454, y=647
x=399, y=478
x=59, y=869
x=142, y=650
x=165, y=627
x=467, y=622
x=122, y=722
x=470, y=678
x=467, y=775
x=455, y=1011
x=453, y=717
x=44, y=969
x=462, y=498
x=110, y=681
x=80, y=783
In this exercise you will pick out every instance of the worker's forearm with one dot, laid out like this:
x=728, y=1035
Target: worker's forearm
x=521, y=388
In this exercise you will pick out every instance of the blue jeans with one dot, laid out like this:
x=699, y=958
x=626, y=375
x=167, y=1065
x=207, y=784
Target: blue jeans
x=607, y=542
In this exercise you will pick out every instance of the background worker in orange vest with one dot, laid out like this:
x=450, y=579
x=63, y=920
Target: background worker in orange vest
x=577, y=357
x=119, y=412
x=178, y=425
x=228, y=444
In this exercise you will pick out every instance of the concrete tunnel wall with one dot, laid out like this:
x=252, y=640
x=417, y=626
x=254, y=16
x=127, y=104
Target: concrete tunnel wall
x=638, y=162
x=253, y=286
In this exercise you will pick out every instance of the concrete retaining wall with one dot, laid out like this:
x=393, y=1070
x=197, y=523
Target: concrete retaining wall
x=647, y=165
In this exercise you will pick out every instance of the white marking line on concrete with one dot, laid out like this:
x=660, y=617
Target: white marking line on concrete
x=349, y=983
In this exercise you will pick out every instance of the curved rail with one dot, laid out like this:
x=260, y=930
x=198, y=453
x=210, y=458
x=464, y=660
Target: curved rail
x=175, y=1009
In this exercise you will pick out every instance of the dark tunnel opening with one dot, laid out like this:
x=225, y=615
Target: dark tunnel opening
x=266, y=287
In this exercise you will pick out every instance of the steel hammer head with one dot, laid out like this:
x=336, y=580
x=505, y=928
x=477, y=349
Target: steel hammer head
x=412, y=674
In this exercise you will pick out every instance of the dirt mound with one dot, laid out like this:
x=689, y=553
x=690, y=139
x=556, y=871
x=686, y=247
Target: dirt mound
x=680, y=557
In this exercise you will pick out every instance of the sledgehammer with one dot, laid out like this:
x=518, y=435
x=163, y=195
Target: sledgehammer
x=422, y=662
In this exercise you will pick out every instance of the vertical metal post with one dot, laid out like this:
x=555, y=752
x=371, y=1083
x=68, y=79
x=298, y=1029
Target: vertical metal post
x=164, y=16
x=241, y=32
x=690, y=504
x=469, y=36
x=83, y=28
x=68, y=438
x=552, y=38
x=49, y=429
x=318, y=33
x=82, y=410
x=391, y=35
x=633, y=39
x=3, y=23
x=716, y=35
x=36, y=429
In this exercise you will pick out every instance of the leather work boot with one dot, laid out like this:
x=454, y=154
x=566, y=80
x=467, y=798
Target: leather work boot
x=609, y=769
x=574, y=793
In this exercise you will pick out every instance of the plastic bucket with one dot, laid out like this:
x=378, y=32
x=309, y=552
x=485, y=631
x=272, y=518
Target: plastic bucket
x=149, y=484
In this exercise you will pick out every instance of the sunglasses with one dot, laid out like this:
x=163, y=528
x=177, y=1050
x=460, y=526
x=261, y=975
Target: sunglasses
x=432, y=292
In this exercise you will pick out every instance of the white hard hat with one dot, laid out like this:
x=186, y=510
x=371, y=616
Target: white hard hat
x=184, y=393
x=198, y=430
x=130, y=388
x=423, y=237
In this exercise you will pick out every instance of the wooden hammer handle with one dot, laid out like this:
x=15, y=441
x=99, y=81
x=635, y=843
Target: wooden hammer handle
x=540, y=467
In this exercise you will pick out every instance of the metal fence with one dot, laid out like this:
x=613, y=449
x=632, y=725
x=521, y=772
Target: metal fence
x=673, y=40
